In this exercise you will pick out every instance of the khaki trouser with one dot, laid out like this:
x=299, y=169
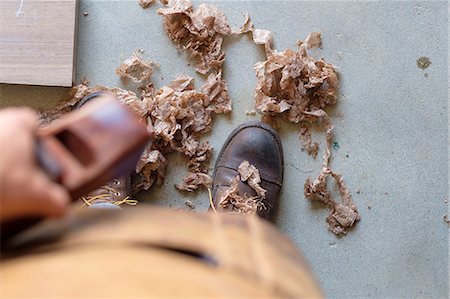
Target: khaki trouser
x=155, y=253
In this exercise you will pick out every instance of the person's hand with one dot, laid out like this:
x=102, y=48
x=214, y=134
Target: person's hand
x=25, y=190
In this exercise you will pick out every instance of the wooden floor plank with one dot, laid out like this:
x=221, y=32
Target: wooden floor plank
x=37, y=41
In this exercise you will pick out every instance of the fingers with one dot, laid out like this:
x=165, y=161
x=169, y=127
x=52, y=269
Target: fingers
x=36, y=196
x=27, y=117
x=23, y=116
x=25, y=189
x=17, y=129
x=49, y=199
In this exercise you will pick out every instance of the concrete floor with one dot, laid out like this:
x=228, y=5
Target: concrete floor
x=391, y=125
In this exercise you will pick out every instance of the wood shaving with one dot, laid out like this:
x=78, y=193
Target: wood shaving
x=344, y=214
x=180, y=115
x=198, y=32
x=128, y=98
x=250, y=174
x=216, y=89
x=182, y=83
x=297, y=87
x=199, y=159
x=292, y=83
x=231, y=199
x=189, y=204
x=312, y=148
x=176, y=114
x=260, y=36
x=135, y=68
x=243, y=204
x=146, y=3
x=313, y=40
x=193, y=180
x=250, y=112
x=246, y=27
x=151, y=167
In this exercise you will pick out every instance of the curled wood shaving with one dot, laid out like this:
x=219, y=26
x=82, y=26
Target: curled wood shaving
x=342, y=215
x=250, y=174
x=180, y=115
x=260, y=36
x=193, y=180
x=312, y=148
x=216, y=89
x=176, y=114
x=324, y=120
x=292, y=83
x=198, y=161
x=127, y=97
x=135, y=68
x=314, y=40
x=231, y=199
x=182, y=83
x=246, y=27
x=146, y=3
x=198, y=32
x=151, y=167
x=297, y=87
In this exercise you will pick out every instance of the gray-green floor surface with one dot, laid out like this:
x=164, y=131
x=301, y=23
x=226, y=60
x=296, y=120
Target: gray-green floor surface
x=391, y=125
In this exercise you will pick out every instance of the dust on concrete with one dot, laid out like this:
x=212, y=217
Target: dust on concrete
x=423, y=62
x=336, y=145
x=446, y=220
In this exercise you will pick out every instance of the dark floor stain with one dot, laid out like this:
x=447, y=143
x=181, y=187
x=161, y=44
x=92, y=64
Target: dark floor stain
x=423, y=62
x=336, y=145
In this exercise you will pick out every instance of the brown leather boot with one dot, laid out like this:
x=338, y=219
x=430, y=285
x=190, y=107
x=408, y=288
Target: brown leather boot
x=114, y=193
x=259, y=144
x=111, y=195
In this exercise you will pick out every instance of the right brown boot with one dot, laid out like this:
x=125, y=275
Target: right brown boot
x=260, y=145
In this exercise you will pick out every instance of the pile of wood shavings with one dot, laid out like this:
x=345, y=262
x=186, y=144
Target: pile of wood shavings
x=199, y=32
x=230, y=198
x=291, y=84
x=179, y=116
x=297, y=87
x=128, y=98
x=176, y=114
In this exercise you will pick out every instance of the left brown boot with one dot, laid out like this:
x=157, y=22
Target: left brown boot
x=115, y=192
x=260, y=145
x=111, y=195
